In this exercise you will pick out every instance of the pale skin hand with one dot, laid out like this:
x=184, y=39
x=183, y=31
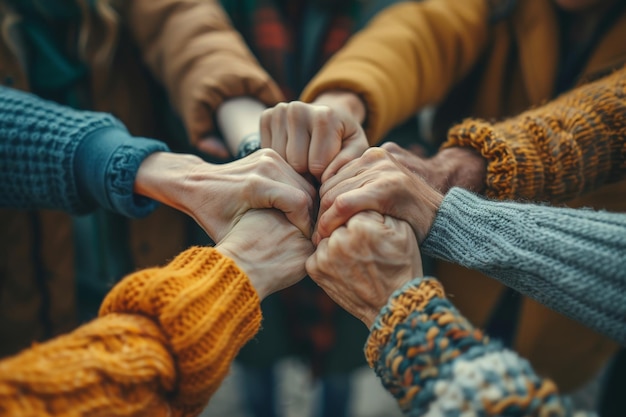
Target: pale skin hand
x=450, y=167
x=377, y=181
x=269, y=249
x=317, y=138
x=362, y=263
x=217, y=196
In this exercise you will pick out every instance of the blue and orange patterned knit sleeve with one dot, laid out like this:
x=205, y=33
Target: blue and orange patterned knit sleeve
x=432, y=360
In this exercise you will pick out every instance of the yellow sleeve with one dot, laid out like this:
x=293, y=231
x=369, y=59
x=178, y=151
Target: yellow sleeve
x=192, y=48
x=409, y=56
x=163, y=343
x=558, y=151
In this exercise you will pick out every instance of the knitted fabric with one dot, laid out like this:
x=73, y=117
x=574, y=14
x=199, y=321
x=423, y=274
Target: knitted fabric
x=55, y=157
x=163, y=344
x=569, y=260
x=557, y=151
x=437, y=364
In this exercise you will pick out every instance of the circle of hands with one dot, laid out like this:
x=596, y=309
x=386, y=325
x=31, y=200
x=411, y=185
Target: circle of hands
x=355, y=232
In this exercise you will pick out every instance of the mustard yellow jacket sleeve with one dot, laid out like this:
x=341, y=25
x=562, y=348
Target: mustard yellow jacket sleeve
x=409, y=56
x=192, y=49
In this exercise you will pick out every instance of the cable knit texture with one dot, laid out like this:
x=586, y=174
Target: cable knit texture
x=436, y=363
x=571, y=260
x=38, y=141
x=558, y=151
x=163, y=343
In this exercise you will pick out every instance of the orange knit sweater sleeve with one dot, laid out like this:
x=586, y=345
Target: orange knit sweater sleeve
x=163, y=343
x=558, y=151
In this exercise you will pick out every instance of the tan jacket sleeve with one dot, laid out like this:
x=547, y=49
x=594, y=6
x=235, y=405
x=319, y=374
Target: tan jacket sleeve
x=561, y=150
x=407, y=57
x=191, y=47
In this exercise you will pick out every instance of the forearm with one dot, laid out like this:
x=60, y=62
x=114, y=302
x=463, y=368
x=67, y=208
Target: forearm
x=561, y=150
x=238, y=119
x=59, y=158
x=421, y=49
x=433, y=360
x=163, y=343
x=569, y=260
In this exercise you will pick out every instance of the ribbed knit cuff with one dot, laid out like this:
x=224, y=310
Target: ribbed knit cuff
x=435, y=362
x=106, y=165
x=206, y=307
x=514, y=170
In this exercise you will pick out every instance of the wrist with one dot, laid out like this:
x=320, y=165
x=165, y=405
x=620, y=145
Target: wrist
x=163, y=176
x=346, y=101
x=259, y=285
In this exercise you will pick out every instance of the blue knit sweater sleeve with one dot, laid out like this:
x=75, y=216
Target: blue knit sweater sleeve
x=571, y=260
x=55, y=157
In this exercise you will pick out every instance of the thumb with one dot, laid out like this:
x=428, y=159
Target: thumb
x=213, y=146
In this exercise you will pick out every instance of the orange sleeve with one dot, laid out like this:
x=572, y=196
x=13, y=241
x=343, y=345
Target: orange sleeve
x=569, y=146
x=409, y=56
x=163, y=343
x=191, y=47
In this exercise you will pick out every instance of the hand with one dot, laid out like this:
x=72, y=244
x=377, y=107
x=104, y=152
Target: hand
x=213, y=146
x=450, y=167
x=269, y=249
x=216, y=196
x=313, y=138
x=364, y=262
x=377, y=181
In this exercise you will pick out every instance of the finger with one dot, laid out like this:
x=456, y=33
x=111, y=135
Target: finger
x=367, y=216
x=343, y=208
x=270, y=164
x=326, y=141
x=213, y=146
x=265, y=127
x=348, y=171
x=298, y=136
x=294, y=202
x=278, y=128
x=351, y=152
x=313, y=262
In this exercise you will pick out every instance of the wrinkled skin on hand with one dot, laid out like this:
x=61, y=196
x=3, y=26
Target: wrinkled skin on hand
x=269, y=249
x=450, y=167
x=316, y=139
x=378, y=182
x=363, y=262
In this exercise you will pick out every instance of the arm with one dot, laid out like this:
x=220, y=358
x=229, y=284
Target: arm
x=427, y=355
x=407, y=57
x=201, y=60
x=433, y=360
x=555, y=152
x=166, y=336
x=567, y=259
x=59, y=158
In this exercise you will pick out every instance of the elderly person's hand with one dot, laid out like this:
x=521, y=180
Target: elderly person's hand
x=377, y=181
x=364, y=262
x=269, y=249
x=450, y=167
x=217, y=196
x=317, y=138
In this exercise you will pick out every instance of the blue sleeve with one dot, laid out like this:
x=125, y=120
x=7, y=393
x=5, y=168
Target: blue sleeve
x=55, y=157
x=571, y=260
